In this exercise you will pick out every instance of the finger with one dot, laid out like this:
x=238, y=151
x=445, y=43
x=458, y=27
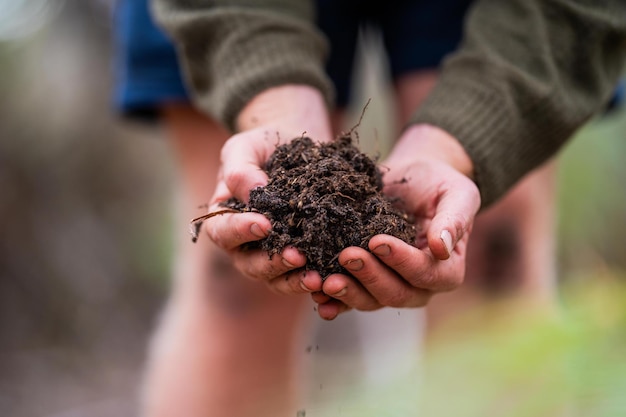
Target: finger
x=312, y=282
x=222, y=193
x=421, y=224
x=291, y=282
x=231, y=230
x=350, y=292
x=418, y=267
x=319, y=297
x=453, y=218
x=242, y=165
x=256, y=264
x=331, y=309
x=383, y=283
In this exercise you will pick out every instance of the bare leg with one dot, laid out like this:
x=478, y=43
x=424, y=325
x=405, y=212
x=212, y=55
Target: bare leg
x=225, y=346
x=512, y=248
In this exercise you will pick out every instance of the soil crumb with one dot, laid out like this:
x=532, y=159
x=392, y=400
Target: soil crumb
x=322, y=198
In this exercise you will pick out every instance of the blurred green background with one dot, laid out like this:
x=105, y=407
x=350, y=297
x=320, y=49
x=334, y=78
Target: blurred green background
x=85, y=223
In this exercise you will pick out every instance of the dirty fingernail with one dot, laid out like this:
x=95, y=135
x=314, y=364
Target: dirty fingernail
x=354, y=265
x=256, y=230
x=304, y=287
x=287, y=263
x=382, y=250
x=446, y=238
x=340, y=293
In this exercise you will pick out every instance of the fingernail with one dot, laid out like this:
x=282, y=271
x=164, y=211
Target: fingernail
x=304, y=287
x=287, y=263
x=446, y=238
x=354, y=264
x=340, y=293
x=256, y=230
x=382, y=250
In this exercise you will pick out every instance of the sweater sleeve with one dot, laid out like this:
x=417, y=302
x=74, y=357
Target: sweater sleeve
x=527, y=75
x=231, y=50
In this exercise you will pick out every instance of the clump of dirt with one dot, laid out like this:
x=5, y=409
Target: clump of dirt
x=322, y=198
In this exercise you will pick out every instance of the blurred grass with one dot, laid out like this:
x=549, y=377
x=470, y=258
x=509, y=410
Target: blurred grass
x=515, y=359
x=592, y=197
x=522, y=360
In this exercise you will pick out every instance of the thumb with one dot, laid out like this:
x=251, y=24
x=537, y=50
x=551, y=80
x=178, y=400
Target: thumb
x=242, y=161
x=453, y=219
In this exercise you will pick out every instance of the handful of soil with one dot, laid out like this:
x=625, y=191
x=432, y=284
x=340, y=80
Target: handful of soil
x=322, y=198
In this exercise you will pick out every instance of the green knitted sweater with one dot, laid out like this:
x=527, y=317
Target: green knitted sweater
x=527, y=74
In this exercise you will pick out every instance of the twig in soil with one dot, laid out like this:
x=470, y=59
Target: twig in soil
x=344, y=196
x=360, y=120
x=196, y=224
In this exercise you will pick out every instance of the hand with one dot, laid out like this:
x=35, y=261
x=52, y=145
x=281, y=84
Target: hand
x=430, y=173
x=274, y=117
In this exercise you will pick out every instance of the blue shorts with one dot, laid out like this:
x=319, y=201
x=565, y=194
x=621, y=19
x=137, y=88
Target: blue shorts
x=417, y=34
x=146, y=69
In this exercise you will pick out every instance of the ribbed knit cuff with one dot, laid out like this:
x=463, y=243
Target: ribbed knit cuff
x=503, y=139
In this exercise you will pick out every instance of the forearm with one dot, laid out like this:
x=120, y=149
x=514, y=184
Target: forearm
x=528, y=74
x=431, y=142
x=294, y=109
x=232, y=51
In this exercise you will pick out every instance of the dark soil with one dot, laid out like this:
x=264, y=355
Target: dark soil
x=322, y=198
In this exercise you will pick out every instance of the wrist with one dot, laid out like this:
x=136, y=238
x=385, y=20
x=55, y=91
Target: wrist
x=292, y=108
x=430, y=142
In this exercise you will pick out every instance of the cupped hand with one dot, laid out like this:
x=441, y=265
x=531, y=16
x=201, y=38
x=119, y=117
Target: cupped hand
x=430, y=176
x=274, y=117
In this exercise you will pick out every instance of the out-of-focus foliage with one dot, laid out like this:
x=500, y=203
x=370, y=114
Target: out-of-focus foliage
x=515, y=359
x=523, y=361
x=84, y=218
x=593, y=197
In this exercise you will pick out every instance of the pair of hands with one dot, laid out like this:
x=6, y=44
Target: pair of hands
x=428, y=171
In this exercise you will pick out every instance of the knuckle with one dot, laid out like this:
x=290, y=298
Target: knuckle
x=448, y=282
x=282, y=286
x=230, y=146
x=367, y=279
x=276, y=287
x=401, y=263
x=273, y=269
x=214, y=234
x=240, y=232
x=369, y=306
x=228, y=234
x=255, y=266
x=234, y=178
x=422, y=299
x=278, y=284
x=459, y=223
x=422, y=280
x=294, y=283
x=398, y=298
x=246, y=268
x=452, y=283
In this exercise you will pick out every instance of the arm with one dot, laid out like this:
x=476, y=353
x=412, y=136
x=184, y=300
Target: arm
x=232, y=51
x=258, y=68
x=527, y=75
x=522, y=81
